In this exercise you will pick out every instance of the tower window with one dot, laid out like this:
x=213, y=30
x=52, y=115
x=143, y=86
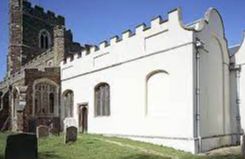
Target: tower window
x=44, y=39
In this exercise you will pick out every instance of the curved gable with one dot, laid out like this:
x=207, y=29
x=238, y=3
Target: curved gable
x=215, y=22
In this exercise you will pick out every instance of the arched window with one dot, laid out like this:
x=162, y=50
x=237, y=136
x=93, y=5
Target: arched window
x=44, y=39
x=68, y=103
x=45, y=98
x=157, y=93
x=102, y=100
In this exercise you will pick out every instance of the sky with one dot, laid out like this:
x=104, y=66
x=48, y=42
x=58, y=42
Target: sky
x=93, y=21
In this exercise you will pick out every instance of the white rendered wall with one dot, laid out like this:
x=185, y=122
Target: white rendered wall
x=125, y=66
x=216, y=117
x=242, y=96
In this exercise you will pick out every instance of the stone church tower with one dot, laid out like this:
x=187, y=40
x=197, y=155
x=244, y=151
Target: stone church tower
x=26, y=27
x=30, y=92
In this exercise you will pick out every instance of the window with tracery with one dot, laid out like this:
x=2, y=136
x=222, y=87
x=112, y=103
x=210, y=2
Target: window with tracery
x=102, y=100
x=45, y=98
x=44, y=39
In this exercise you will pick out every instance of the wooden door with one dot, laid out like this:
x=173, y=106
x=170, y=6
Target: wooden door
x=83, y=118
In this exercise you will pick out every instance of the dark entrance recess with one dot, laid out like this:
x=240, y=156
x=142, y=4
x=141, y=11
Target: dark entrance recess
x=83, y=117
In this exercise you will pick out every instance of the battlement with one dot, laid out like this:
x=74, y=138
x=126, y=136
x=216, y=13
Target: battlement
x=139, y=31
x=39, y=12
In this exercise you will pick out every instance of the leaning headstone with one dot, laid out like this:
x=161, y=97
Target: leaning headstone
x=71, y=134
x=42, y=131
x=21, y=146
x=243, y=147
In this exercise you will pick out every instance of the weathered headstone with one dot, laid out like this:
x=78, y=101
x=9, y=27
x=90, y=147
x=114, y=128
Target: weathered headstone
x=21, y=146
x=42, y=131
x=71, y=134
x=243, y=147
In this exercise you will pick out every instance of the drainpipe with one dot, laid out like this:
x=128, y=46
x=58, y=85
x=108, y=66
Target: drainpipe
x=198, y=45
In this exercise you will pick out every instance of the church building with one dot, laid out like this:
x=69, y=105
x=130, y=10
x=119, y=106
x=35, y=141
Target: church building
x=167, y=83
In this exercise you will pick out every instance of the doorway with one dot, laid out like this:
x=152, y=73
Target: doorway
x=83, y=117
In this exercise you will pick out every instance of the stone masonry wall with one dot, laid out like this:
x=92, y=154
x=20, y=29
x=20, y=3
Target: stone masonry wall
x=32, y=75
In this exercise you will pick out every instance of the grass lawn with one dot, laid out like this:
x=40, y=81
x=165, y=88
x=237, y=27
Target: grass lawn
x=99, y=147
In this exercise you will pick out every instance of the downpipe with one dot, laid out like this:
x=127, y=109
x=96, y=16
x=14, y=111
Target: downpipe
x=198, y=45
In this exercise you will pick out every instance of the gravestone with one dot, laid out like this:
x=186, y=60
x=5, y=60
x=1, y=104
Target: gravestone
x=71, y=134
x=21, y=146
x=243, y=147
x=42, y=131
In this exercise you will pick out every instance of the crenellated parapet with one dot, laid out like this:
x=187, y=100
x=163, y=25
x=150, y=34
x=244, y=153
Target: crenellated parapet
x=157, y=25
x=39, y=12
x=161, y=36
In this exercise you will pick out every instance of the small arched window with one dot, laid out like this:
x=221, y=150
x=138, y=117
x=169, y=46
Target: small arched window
x=102, y=100
x=44, y=39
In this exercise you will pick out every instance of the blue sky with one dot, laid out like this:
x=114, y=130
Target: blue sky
x=93, y=21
